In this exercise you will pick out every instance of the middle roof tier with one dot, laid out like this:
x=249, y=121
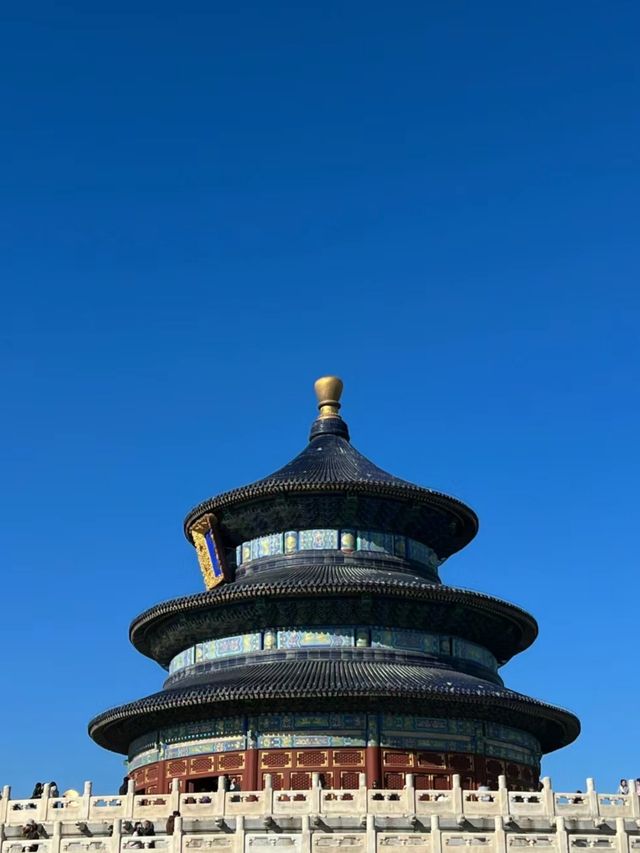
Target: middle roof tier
x=329, y=594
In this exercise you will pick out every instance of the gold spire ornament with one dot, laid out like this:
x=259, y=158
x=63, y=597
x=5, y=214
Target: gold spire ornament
x=328, y=391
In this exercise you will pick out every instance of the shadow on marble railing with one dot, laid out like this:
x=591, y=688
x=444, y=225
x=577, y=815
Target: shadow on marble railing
x=368, y=838
x=359, y=833
x=456, y=803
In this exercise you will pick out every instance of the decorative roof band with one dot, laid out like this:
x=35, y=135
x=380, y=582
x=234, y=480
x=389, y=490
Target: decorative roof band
x=345, y=540
x=438, y=645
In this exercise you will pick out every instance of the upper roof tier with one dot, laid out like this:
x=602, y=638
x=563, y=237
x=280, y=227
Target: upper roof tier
x=330, y=484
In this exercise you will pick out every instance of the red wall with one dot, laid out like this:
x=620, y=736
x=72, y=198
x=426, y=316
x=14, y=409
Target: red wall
x=339, y=768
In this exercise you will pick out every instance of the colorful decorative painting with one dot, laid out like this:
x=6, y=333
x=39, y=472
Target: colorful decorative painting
x=334, y=637
x=273, y=731
x=315, y=638
x=347, y=540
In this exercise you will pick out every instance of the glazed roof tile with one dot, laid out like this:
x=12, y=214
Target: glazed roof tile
x=330, y=463
x=332, y=459
x=321, y=577
x=327, y=579
x=333, y=679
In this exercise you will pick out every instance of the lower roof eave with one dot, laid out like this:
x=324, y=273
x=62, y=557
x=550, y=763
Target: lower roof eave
x=117, y=728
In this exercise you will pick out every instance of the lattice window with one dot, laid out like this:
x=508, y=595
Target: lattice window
x=422, y=781
x=348, y=757
x=441, y=782
x=231, y=761
x=513, y=770
x=349, y=780
x=152, y=772
x=277, y=781
x=495, y=767
x=398, y=759
x=460, y=762
x=394, y=780
x=300, y=781
x=326, y=780
x=312, y=758
x=177, y=768
x=201, y=765
x=275, y=759
x=431, y=759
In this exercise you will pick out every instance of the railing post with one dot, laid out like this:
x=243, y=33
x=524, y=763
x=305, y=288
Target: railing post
x=86, y=800
x=116, y=835
x=436, y=834
x=174, y=796
x=220, y=799
x=4, y=804
x=43, y=803
x=410, y=793
x=239, y=834
x=622, y=838
x=267, y=795
x=129, y=800
x=633, y=799
x=371, y=832
x=176, y=841
x=305, y=834
x=457, y=805
x=56, y=836
x=500, y=836
x=561, y=836
x=592, y=798
x=317, y=792
x=503, y=796
x=548, y=797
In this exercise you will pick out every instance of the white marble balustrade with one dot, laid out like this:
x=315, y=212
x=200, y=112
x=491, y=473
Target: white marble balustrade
x=455, y=801
x=316, y=819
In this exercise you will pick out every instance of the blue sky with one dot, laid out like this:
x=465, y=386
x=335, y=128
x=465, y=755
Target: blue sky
x=205, y=206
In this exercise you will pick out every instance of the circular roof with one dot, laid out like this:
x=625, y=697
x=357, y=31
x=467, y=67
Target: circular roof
x=325, y=591
x=331, y=465
x=434, y=690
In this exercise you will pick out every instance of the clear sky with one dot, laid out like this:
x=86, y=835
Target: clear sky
x=206, y=205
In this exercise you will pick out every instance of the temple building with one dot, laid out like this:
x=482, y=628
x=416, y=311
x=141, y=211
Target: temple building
x=326, y=642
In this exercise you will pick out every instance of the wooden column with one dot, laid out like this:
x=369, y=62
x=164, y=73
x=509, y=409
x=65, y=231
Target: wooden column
x=373, y=770
x=250, y=778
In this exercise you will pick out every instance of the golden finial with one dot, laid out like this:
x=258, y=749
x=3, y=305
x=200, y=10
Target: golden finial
x=328, y=391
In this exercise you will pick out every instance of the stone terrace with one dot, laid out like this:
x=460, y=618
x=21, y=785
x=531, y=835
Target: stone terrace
x=304, y=821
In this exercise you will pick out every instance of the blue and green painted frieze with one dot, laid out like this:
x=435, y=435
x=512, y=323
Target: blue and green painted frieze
x=275, y=731
x=345, y=540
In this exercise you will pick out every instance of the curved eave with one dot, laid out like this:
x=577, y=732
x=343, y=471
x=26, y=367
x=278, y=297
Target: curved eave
x=405, y=492
x=330, y=581
x=337, y=683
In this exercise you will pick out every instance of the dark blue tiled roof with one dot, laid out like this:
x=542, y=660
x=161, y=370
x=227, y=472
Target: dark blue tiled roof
x=332, y=459
x=330, y=463
x=503, y=627
x=438, y=689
